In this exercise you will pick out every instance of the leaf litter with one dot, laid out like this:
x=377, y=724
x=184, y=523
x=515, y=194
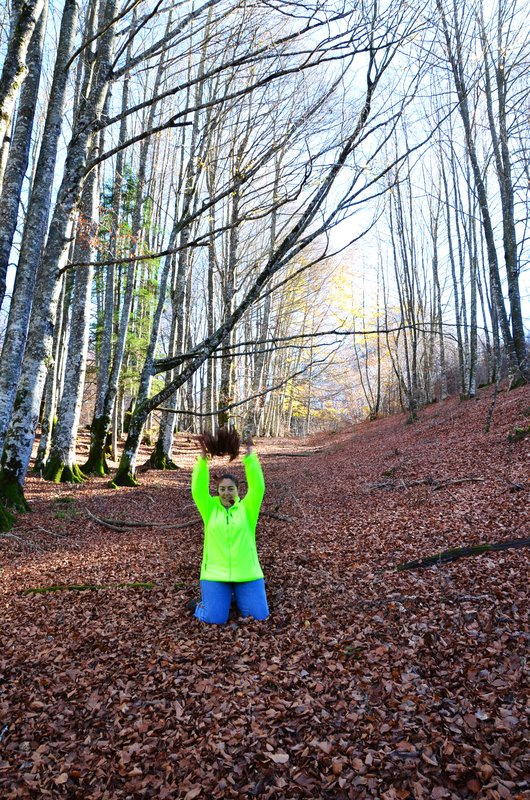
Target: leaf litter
x=364, y=682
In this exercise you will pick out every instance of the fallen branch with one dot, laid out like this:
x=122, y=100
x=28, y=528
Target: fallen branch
x=307, y=454
x=123, y=525
x=461, y=552
x=432, y=482
x=84, y=587
x=272, y=514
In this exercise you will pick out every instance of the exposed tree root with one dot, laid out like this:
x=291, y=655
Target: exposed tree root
x=83, y=587
x=446, y=556
x=123, y=525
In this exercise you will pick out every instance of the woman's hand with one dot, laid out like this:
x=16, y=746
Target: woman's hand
x=249, y=446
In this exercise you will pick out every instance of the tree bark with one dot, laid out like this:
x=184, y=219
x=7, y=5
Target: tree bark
x=35, y=225
x=14, y=69
x=21, y=434
x=18, y=157
x=62, y=465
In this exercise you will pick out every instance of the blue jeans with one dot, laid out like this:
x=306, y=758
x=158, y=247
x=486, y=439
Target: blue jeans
x=217, y=596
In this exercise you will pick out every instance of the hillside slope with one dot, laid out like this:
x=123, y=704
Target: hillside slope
x=364, y=682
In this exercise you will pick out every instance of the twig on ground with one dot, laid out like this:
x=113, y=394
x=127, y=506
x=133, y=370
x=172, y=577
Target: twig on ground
x=123, y=525
x=274, y=515
x=11, y=536
x=52, y=533
x=433, y=482
x=421, y=599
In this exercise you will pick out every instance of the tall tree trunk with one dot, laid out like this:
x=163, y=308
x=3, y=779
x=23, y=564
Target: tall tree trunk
x=21, y=434
x=14, y=69
x=18, y=156
x=53, y=378
x=101, y=425
x=455, y=55
x=62, y=465
x=501, y=151
x=35, y=225
x=105, y=353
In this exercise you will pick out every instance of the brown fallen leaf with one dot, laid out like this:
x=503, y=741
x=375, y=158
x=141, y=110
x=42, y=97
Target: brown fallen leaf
x=279, y=758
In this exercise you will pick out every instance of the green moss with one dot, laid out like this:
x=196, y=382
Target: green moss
x=518, y=434
x=73, y=474
x=96, y=463
x=7, y=519
x=66, y=507
x=12, y=495
x=159, y=460
x=123, y=478
x=64, y=500
x=54, y=469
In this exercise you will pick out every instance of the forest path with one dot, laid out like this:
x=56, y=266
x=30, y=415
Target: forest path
x=364, y=682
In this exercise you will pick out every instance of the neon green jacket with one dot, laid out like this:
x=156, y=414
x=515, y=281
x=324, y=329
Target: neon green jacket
x=229, y=552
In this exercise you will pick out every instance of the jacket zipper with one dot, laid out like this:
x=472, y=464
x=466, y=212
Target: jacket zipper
x=229, y=545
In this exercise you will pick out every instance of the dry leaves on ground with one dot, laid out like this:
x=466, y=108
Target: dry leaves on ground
x=364, y=682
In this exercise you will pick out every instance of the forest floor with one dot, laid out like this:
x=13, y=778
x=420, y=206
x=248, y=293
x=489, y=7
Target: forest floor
x=365, y=682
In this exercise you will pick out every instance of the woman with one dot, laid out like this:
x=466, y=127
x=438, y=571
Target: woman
x=230, y=560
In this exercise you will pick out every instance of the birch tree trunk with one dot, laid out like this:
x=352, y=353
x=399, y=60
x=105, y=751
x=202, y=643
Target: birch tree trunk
x=110, y=270
x=101, y=425
x=52, y=385
x=21, y=434
x=18, y=156
x=35, y=225
x=14, y=69
x=438, y=310
x=455, y=54
x=503, y=160
x=62, y=466
x=162, y=456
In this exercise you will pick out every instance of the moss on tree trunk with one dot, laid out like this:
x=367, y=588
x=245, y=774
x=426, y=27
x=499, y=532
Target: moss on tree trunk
x=59, y=472
x=7, y=519
x=158, y=460
x=11, y=499
x=96, y=463
x=123, y=477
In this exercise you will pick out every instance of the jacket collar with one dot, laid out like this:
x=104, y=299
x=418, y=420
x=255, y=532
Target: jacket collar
x=217, y=499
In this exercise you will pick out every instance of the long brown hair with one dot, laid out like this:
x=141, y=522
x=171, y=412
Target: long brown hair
x=226, y=442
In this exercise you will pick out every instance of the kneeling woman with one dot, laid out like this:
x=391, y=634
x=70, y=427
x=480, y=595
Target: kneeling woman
x=230, y=560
